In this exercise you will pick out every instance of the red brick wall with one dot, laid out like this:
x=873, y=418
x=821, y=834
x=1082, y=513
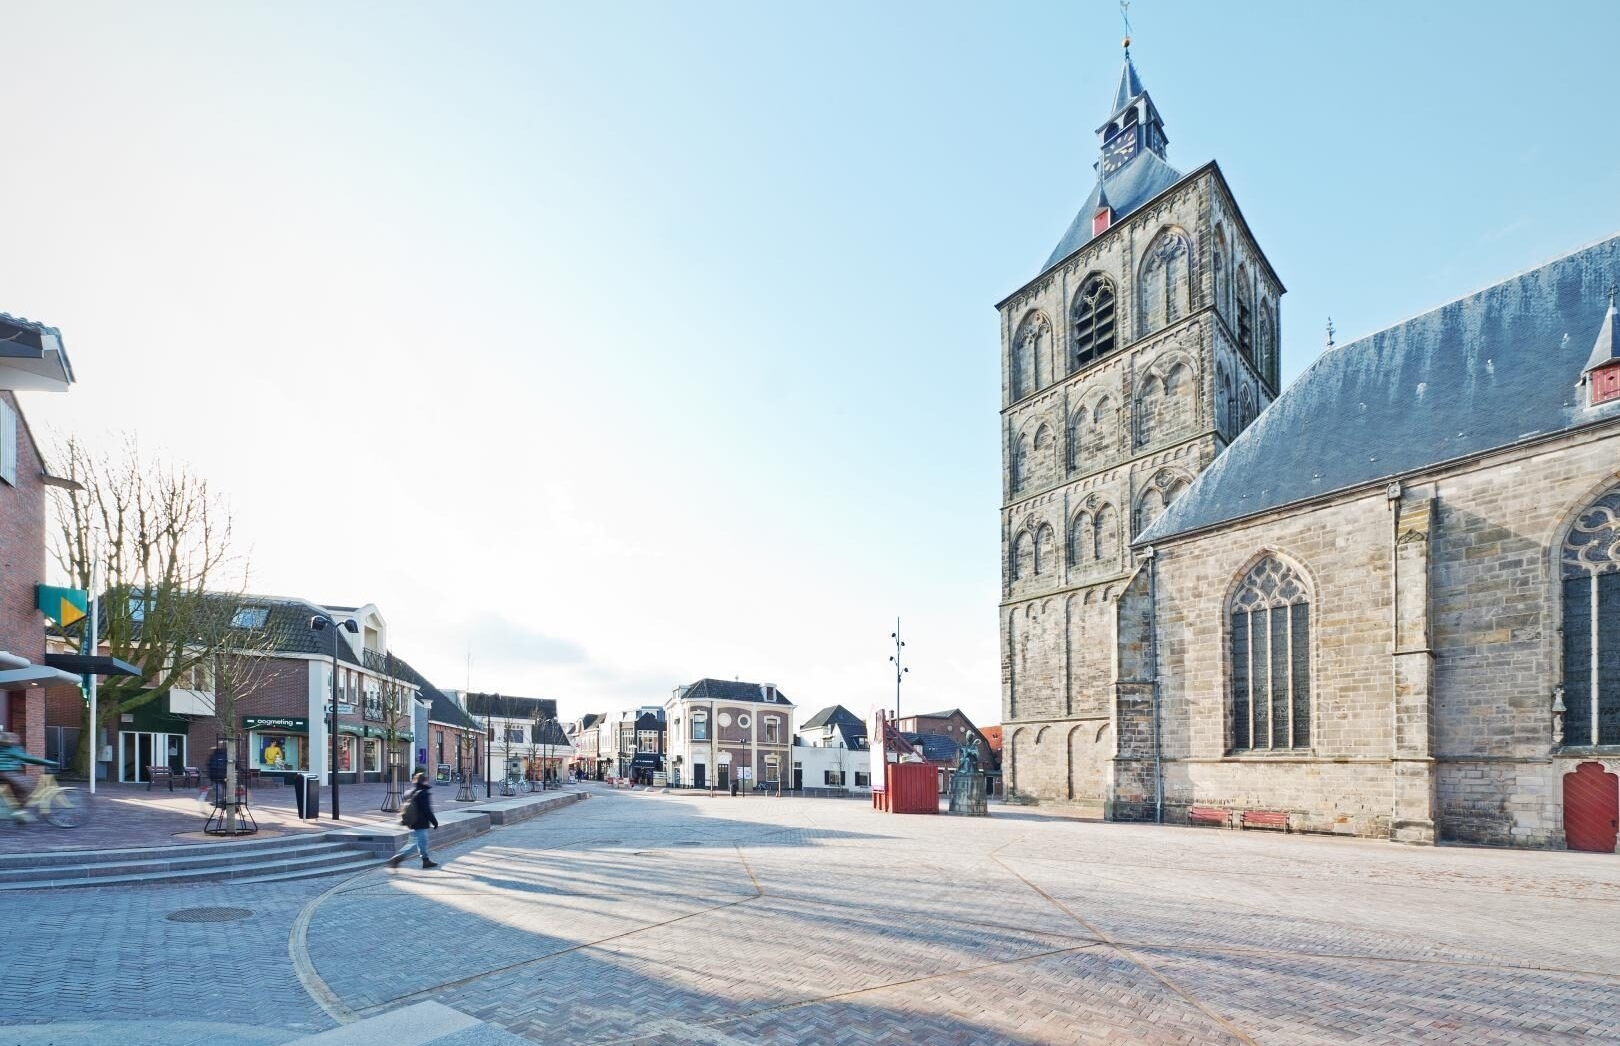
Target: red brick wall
x=283, y=692
x=22, y=566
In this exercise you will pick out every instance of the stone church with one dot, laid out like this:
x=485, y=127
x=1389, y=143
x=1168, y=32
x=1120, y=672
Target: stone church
x=1385, y=602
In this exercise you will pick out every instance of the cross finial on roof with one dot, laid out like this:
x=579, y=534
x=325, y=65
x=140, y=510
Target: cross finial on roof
x=1125, y=16
x=1330, y=332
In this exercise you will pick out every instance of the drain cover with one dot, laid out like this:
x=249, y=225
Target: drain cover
x=209, y=915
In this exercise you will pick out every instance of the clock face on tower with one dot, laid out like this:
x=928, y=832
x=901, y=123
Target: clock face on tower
x=1117, y=152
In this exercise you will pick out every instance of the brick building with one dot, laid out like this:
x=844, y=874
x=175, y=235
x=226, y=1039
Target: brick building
x=1390, y=606
x=282, y=722
x=720, y=731
x=32, y=360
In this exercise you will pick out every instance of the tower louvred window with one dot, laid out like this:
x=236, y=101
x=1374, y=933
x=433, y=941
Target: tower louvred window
x=1094, y=329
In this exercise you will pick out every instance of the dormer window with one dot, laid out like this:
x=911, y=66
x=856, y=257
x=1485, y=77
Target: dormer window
x=1101, y=220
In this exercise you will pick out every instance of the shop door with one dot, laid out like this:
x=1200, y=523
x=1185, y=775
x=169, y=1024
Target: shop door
x=1591, y=808
x=798, y=778
x=698, y=778
x=722, y=777
x=176, y=745
x=136, y=750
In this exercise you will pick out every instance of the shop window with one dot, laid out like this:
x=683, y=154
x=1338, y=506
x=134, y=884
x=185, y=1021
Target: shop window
x=833, y=778
x=773, y=770
x=373, y=755
x=863, y=779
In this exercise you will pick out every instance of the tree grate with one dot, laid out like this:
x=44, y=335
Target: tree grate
x=209, y=915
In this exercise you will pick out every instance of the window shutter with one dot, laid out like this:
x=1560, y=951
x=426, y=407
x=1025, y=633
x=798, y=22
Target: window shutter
x=8, y=443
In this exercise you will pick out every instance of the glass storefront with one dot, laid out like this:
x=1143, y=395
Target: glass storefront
x=277, y=744
x=373, y=755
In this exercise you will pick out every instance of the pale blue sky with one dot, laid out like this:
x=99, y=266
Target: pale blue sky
x=628, y=343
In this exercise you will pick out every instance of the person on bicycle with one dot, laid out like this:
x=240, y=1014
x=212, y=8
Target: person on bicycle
x=13, y=757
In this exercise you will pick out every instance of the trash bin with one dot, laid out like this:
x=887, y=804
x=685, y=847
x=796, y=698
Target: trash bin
x=307, y=796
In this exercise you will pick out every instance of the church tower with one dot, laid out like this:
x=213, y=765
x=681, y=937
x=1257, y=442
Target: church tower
x=1143, y=346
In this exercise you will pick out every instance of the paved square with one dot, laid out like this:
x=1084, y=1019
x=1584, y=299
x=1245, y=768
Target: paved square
x=669, y=918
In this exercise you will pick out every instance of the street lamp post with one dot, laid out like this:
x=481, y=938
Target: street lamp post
x=319, y=623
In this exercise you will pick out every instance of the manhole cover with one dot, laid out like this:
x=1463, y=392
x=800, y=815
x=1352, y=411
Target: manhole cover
x=688, y=842
x=209, y=915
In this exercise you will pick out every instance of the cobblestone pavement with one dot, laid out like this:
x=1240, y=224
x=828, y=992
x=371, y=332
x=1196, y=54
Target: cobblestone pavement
x=659, y=919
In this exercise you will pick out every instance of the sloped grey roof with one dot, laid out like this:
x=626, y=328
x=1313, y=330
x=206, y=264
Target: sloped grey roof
x=1484, y=372
x=1605, y=350
x=507, y=706
x=831, y=714
x=730, y=690
x=448, y=712
x=1140, y=180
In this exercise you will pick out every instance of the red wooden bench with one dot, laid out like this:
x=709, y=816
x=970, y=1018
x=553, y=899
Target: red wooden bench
x=1266, y=819
x=1208, y=815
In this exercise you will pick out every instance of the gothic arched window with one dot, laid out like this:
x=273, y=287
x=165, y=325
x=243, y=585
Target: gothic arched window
x=1020, y=463
x=1107, y=547
x=1032, y=356
x=1023, y=556
x=1245, y=407
x=1045, y=550
x=1271, y=659
x=1224, y=406
x=1591, y=581
x=1093, y=321
x=1165, y=279
x=1082, y=540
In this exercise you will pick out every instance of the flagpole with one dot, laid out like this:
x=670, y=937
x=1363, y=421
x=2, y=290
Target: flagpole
x=93, y=634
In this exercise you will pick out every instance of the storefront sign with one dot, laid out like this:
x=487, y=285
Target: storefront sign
x=343, y=709
x=257, y=722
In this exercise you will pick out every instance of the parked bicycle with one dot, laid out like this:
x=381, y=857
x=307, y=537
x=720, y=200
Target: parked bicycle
x=62, y=807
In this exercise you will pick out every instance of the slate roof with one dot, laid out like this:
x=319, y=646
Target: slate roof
x=832, y=713
x=1130, y=85
x=730, y=690
x=448, y=712
x=1144, y=177
x=936, y=748
x=551, y=732
x=1496, y=368
x=506, y=706
x=1605, y=350
x=286, y=622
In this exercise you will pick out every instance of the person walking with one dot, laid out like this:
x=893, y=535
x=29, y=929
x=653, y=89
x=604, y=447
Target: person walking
x=216, y=774
x=417, y=815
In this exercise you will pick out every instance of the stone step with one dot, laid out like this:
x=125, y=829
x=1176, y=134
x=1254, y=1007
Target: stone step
x=143, y=853
x=293, y=863
x=94, y=863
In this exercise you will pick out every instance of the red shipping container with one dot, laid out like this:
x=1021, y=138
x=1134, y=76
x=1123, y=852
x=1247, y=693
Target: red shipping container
x=912, y=788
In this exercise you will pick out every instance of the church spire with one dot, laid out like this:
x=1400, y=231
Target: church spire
x=1130, y=85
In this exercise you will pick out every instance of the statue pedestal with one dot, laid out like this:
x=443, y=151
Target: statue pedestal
x=968, y=795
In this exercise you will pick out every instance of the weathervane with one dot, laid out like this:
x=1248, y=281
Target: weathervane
x=1330, y=332
x=1125, y=16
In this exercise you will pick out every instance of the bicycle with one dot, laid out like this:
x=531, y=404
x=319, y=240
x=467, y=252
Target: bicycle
x=525, y=785
x=62, y=807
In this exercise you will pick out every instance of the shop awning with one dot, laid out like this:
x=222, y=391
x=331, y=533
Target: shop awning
x=649, y=760
x=91, y=665
x=36, y=675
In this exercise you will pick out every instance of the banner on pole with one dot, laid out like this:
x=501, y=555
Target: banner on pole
x=65, y=606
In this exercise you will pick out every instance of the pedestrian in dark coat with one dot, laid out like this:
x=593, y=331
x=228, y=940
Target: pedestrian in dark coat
x=417, y=814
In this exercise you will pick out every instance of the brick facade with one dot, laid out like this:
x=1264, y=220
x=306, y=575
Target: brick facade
x=22, y=566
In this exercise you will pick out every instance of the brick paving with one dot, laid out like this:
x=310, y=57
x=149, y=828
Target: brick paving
x=658, y=918
x=125, y=815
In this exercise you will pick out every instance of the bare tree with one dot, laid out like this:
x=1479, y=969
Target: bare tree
x=162, y=538
x=397, y=696
x=241, y=666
